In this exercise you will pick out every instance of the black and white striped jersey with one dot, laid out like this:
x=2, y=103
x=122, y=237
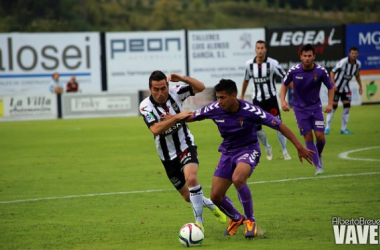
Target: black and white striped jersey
x=176, y=139
x=344, y=71
x=263, y=76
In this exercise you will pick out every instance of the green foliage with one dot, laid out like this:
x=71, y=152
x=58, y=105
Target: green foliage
x=131, y=15
x=99, y=184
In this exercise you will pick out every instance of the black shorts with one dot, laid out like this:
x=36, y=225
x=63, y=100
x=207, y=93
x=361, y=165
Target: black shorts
x=174, y=168
x=270, y=106
x=344, y=96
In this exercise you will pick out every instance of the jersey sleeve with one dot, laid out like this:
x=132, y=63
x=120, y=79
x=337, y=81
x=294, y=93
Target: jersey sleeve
x=184, y=91
x=325, y=77
x=247, y=76
x=271, y=121
x=146, y=112
x=206, y=112
x=288, y=77
x=338, y=66
x=278, y=69
x=358, y=69
x=260, y=116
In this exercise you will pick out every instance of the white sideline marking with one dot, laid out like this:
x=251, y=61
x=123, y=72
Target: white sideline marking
x=172, y=189
x=344, y=155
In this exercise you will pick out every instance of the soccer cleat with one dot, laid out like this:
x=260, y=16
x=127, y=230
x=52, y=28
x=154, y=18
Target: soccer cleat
x=287, y=156
x=219, y=215
x=250, y=229
x=233, y=226
x=319, y=171
x=201, y=226
x=327, y=131
x=346, y=132
x=269, y=153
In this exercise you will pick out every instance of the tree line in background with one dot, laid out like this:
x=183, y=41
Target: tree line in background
x=143, y=15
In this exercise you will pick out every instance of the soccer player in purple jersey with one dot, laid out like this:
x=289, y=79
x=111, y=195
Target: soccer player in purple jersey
x=307, y=79
x=237, y=122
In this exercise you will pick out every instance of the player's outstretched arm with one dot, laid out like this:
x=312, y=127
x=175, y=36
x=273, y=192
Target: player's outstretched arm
x=302, y=151
x=197, y=86
x=168, y=121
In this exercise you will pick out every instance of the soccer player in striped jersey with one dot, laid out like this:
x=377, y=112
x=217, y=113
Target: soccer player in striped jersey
x=307, y=78
x=342, y=74
x=263, y=70
x=163, y=114
x=237, y=122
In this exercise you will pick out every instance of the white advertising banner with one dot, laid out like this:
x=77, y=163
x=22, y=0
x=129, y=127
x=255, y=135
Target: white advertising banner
x=100, y=105
x=216, y=54
x=28, y=60
x=132, y=56
x=28, y=107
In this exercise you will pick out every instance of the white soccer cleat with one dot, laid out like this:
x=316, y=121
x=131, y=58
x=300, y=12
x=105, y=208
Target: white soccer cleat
x=287, y=156
x=269, y=153
x=319, y=171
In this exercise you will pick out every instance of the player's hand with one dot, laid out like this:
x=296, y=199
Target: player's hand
x=165, y=116
x=285, y=106
x=174, y=78
x=329, y=108
x=307, y=154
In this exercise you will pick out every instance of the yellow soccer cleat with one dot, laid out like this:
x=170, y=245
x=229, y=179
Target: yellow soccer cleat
x=219, y=215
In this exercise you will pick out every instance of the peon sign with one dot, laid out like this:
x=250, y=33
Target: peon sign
x=132, y=56
x=27, y=61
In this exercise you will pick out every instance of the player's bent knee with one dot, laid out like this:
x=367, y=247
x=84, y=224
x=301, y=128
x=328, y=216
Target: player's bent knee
x=216, y=198
x=347, y=105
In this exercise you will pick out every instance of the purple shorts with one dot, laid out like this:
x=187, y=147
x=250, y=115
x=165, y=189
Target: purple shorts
x=309, y=119
x=228, y=162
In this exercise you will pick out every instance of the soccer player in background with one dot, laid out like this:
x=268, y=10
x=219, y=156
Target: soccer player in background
x=263, y=70
x=237, y=122
x=307, y=79
x=162, y=113
x=341, y=75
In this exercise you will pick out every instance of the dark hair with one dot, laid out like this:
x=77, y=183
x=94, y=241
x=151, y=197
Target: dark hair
x=262, y=41
x=156, y=75
x=226, y=85
x=353, y=48
x=307, y=47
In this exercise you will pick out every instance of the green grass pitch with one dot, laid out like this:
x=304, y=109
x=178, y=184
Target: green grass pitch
x=98, y=184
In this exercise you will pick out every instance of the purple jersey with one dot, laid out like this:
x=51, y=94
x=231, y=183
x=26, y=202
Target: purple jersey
x=307, y=85
x=237, y=129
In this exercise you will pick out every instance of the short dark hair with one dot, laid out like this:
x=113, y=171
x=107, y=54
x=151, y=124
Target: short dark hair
x=156, y=75
x=307, y=47
x=353, y=48
x=226, y=85
x=262, y=41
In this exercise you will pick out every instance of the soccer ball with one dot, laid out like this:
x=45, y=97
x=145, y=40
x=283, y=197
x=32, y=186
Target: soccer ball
x=191, y=235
